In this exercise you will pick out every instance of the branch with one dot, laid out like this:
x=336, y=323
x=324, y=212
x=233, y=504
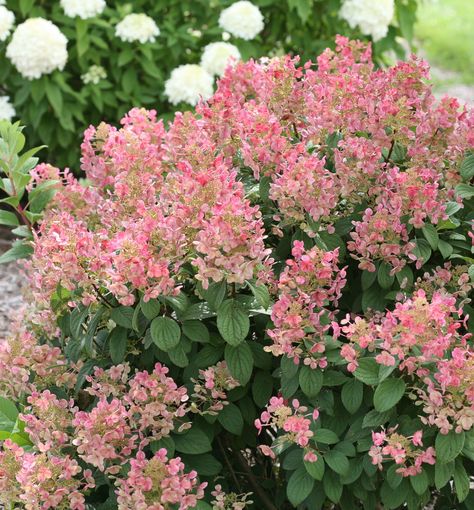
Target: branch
x=268, y=504
x=229, y=465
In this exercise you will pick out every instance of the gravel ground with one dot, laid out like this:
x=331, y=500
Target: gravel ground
x=10, y=288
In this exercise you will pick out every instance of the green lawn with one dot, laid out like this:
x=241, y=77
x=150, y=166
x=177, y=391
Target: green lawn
x=445, y=29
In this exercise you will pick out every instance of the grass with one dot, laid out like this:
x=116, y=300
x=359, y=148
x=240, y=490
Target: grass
x=445, y=29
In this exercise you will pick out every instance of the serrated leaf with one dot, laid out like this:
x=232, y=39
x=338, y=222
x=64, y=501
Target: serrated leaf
x=443, y=473
x=8, y=415
x=231, y=419
x=165, y=333
x=445, y=249
x=461, y=481
x=448, y=446
x=422, y=250
x=388, y=393
x=239, y=360
x=196, y=331
x=337, y=461
x=194, y=441
x=367, y=371
x=311, y=381
x=431, y=235
x=118, y=344
x=8, y=218
x=123, y=316
x=325, y=436
x=150, y=308
x=352, y=394
x=315, y=469
x=467, y=167
x=384, y=277
x=419, y=482
x=233, y=322
x=299, y=486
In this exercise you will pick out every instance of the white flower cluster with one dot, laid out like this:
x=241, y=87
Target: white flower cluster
x=7, y=112
x=189, y=83
x=83, y=8
x=37, y=47
x=94, y=75
x=372, y=17
x=137, y=27
x=7, y=19
x=242, y=19
x=217, y=56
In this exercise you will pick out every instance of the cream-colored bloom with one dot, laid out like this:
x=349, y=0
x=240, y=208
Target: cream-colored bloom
x=217, y=56
x=7, y=112
x=83, y=8
x=37, y=47
x=372, y=17
x=189, y=83
x=7, y=19
x=137, y=27
x=242, y=19
x=94, y=75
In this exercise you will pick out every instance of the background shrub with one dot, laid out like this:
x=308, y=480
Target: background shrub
x=57, y=107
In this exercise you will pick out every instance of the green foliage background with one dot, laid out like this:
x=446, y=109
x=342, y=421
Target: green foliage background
x=58, y=107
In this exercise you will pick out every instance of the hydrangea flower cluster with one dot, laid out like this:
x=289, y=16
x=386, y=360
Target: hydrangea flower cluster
x=37, y=47
x=157, y=483
x=292, y=421
x=406, y=452
x=217, y=56
x=7, y=20
x=229, y=501
x=137, y=27
x=372, y=18
x=83, y=9
x=210, y=391
x=242, y=19
x=309, y=282
x=7, y=111
x=94, y=75
x=189, y=83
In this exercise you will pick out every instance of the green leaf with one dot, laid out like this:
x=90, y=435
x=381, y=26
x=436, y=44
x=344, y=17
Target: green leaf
x=196, y=331
x=178, y=356
x=394, y=479
x=150, y=308
x=384, y=277
x=367, y=279
x=19, y=250
x=352, y=394
x=337, y=461
x=315, y=469
x=443, y=473
x=299, y=486
x=325, y=436
x=467, y=167
x=240, y=362
x=388, y=393
x=367, y=371
x=262, y=388
x=232, y=322
x=431, y=235
x=419, y=482
x=205, y=464
x=8, y=218
x=373, y=298
x=461, y=481
x=311, y=381
x=332, y=486
x=55, y=97
x=422, y=250
x=448, y=446
x=215, y=294
x=465, y=191
x=8, y=415
x=261, y=295
x=118, y=344
x=445, y=249
x=231, y=419
x=373, y=419
x=165, y=333
x=123, y=316
x=194, y=441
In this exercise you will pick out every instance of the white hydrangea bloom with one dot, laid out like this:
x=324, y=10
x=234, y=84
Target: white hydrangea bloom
x=83, y=8
x=242, y=19
x=37, y=47
x=94, y=75
x=7, y=112
x=189, y=83
x=372, y=18
x=7, y=19
x=137, y=27
x=217, y=56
